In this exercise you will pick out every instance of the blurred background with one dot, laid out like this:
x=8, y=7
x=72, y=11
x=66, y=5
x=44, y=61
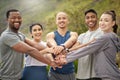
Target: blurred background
x=44, y=11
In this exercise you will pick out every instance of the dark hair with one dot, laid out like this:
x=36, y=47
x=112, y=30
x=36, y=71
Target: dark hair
x=113, y=14
x=11, y=10
x=31, y=26
x=90, y=10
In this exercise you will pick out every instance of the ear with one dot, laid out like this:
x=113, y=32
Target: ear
x=113, y=23
x=31, y=35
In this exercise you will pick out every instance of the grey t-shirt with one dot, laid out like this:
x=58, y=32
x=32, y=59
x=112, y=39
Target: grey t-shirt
x=11, y=61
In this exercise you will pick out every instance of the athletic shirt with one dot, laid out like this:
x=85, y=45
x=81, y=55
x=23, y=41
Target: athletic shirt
x=68, y=68
x=11, y=61
x=30, y=61
x=85, y=64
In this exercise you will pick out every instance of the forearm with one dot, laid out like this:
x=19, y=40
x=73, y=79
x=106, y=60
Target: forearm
x=34, y=44
x=39, y=56
x=95, y=47
x=51, y=43
x=71, y=41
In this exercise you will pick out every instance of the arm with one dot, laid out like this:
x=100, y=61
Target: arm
x=34, y=44
x=96, y=46
x=69, y=43
x=50, y=40
x=78, y=45
x=25, y=48
x=72, y=40
x=52, y=43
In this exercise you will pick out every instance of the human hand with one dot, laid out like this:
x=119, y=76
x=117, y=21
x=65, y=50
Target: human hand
x=60, y=59
x=54, y=65
x=58, y=49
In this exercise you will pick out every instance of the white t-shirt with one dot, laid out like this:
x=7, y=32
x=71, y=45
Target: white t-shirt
x=85, y=64
x=30, y=61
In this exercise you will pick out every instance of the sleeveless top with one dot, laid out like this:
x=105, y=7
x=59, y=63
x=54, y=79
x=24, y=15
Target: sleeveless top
x=68, y=68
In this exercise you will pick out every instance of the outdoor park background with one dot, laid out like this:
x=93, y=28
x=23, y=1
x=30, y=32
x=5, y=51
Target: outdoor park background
x=44, y=11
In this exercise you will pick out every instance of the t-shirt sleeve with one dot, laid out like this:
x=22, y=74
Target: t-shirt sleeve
x=80, y=37
x=10, y=39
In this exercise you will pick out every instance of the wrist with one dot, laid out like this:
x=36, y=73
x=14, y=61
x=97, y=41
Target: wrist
x=67, y=50
x=63, y=46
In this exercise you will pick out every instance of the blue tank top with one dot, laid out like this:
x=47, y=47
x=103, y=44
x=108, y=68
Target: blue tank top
x=68, y=68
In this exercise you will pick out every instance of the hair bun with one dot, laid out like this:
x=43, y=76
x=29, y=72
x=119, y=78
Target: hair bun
x=113, y=12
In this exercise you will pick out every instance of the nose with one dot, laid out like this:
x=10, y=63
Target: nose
x=38, y=31
x=90, y=19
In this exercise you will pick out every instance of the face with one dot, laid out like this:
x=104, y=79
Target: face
x=36, y=32
x=14, y=20
x=91, y=20
x=106, y=23
x=62, y=20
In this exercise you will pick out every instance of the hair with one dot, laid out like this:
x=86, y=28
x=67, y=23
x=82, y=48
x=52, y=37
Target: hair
x=31, y=26
x=113, y=14
x=11, y=10
x=90, y=10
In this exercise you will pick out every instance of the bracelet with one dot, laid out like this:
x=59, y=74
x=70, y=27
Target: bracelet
x=63, y=46
x=67, y=50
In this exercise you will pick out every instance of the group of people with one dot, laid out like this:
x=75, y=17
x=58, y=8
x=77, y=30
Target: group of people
x=95, y=49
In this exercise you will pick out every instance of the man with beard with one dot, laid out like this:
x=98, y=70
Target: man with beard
x=13, y=44
x=85, y=64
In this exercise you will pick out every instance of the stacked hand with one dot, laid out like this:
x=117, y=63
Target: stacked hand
x=59, y=56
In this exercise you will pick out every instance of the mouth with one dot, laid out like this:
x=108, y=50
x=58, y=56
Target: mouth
x=91, y=23
x=17, y=24
x=38, y=35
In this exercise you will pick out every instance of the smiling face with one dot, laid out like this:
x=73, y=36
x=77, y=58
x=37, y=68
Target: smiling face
x=36, y=32
x=14, y=21
x=62, y=20
x=106, y=23
x=91, y=20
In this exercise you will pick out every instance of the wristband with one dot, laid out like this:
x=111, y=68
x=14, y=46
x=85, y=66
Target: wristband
x=67, y=50
x=63, y=46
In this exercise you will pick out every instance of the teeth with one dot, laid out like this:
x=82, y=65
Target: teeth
x=90, y=23
x=16, y=24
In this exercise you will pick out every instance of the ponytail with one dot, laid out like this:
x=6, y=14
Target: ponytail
x=113, y=14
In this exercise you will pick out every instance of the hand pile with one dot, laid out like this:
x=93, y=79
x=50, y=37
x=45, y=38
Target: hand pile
x=59, y=55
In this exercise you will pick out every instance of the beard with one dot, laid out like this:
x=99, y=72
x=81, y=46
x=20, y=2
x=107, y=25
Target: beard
x=15, y=26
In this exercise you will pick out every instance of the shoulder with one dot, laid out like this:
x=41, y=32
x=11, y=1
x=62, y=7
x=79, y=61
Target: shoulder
x=50, y=34
x=74, y=33
x=8, y=35
x=105, y=37
x=81, y=35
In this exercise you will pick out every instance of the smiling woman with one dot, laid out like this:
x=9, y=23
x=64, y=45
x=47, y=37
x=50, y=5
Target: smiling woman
x=35, y=70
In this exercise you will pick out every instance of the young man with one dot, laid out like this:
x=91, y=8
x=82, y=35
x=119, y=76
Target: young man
x=85, y=64
x=13, y=45
x=62, y=39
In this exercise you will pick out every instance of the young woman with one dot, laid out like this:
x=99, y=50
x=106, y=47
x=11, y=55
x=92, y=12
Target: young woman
x=104, y=49
x=34, y=69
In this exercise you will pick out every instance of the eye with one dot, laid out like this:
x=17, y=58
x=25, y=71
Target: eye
x=106, y=20
x=64, y=17
x=34, y=30
x=86, y=17
x=92, y=16
x=39, y=29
